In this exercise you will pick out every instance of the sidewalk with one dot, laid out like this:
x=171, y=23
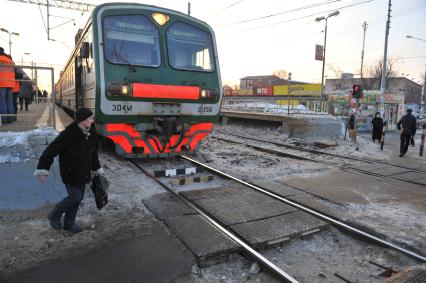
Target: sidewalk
x=38, y=115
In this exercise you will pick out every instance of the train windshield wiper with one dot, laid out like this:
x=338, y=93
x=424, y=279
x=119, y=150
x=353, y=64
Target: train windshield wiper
x=120, y=57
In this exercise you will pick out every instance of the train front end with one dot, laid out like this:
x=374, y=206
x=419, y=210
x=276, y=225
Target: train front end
x=158, y=80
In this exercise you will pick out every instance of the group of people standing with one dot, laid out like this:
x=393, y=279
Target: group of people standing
x=15, y=86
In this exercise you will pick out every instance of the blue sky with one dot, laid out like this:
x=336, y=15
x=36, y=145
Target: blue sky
x=256, y=47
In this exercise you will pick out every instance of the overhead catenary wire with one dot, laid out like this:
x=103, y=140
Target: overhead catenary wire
x=302, y=17
x=226, y=8
x=327, y=2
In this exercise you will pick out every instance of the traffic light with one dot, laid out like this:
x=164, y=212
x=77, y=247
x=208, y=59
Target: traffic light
x=357, y=92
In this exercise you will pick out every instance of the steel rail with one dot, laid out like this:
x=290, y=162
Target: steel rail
x=263, y=260
x=312, y=212
x=348, y=169
x=322, y=152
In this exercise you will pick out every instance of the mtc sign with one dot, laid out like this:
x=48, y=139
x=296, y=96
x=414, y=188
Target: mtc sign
x=263, y=91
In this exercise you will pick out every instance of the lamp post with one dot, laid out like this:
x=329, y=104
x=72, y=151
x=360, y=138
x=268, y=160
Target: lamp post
x=10, y=38
x=319, y=19
x=422, y=102
x=22, y=58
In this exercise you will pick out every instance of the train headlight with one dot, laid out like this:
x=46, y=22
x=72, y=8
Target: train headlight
x=210, y=94
x=161, y=19
x=120, y=90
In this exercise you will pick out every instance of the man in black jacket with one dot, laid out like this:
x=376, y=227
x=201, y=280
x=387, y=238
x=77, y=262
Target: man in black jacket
x=78, y=156
x=408, y=131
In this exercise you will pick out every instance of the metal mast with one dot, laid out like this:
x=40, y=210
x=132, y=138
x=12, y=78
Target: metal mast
x=364, y=26
x=383, y=81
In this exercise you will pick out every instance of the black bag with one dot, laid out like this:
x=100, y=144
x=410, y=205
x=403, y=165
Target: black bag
x=99, y=186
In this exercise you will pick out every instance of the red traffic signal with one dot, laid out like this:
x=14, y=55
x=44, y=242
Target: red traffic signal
x=357, y=92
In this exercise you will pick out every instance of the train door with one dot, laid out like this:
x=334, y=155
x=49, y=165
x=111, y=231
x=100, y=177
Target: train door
x=79, y=93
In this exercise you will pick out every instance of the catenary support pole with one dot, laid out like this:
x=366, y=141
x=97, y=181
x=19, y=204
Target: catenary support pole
x=384, y=69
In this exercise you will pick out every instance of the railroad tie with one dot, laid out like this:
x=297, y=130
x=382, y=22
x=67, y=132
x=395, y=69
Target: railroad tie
x=179, y=171
x=190, y=180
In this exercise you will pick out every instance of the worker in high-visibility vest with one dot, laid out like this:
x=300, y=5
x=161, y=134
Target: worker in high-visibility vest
x=7, y=83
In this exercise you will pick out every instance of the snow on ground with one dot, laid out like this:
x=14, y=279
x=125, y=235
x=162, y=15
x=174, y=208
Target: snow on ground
x=278, y=109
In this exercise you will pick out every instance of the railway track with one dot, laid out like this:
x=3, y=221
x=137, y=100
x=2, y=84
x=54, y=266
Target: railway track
x=345, y=167
x=314, y=151
x=267, y=264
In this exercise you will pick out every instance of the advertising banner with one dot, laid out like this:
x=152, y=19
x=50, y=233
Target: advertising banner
x=298, y=89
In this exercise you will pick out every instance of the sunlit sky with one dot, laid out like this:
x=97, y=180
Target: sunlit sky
x=253, y=37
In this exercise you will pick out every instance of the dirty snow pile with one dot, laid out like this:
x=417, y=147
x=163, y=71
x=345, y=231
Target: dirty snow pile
x=15, y=146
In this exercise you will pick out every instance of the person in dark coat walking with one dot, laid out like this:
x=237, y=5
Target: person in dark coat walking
x=25, y=92
x=351, y=126
x=377, y=125
x=78, y=156
x=408, y=126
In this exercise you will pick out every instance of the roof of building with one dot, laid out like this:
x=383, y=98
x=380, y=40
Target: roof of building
x=260, y=77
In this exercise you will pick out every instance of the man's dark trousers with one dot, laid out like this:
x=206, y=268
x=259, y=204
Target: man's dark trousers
x=69, y=205
x=405, y=141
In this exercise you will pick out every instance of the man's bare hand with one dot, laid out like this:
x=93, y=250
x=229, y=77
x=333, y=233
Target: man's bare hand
x=42, y=178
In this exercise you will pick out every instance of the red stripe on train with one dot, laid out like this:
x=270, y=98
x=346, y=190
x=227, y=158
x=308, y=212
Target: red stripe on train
x=142, y=90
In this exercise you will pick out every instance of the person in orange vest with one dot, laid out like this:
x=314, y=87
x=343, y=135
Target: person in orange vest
x=7, y=82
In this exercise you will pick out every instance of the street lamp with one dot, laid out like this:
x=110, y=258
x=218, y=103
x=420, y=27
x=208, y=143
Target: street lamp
x=409, y=36
x=22, y=58
x=319, y=19
x=10, y=38
x=422, y=102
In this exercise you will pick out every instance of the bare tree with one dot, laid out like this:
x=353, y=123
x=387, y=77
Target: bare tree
x=336, y=70
x=282, y=74
x=374, y=73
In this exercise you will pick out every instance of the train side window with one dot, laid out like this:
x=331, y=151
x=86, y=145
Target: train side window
x=131, y=39
x=189, y=48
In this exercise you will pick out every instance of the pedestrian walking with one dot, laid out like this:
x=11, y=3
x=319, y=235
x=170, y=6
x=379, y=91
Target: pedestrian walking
x=377, y=127
x=78, y=156
x=25, y=93
x=7, y=83
x=351, y=127
x=15, y=90
x=408, y=126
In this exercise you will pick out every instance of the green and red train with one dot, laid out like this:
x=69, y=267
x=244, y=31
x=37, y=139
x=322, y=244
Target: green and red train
x=151, y=76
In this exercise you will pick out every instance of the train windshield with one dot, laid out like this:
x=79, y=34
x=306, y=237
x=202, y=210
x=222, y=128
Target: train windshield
x=132, y=40
x=189, y=48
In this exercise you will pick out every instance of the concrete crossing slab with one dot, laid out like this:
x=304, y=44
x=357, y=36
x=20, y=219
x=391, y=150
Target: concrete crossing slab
x=272, y=230
x=236, y=215
x=166, y=205
x=213, y=192
x=207, y=243
x=279, y=188
x=409, y=176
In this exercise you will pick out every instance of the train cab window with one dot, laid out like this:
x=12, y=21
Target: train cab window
x=189, y=48
x=132, y=40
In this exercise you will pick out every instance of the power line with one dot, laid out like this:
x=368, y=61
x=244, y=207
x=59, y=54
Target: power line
x=64, y=4
x=303, y=17
x=285, y=12
x=227, y=7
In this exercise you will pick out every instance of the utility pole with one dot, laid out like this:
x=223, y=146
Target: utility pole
x=383, y=81
x=364, y=26
x=189, y=8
